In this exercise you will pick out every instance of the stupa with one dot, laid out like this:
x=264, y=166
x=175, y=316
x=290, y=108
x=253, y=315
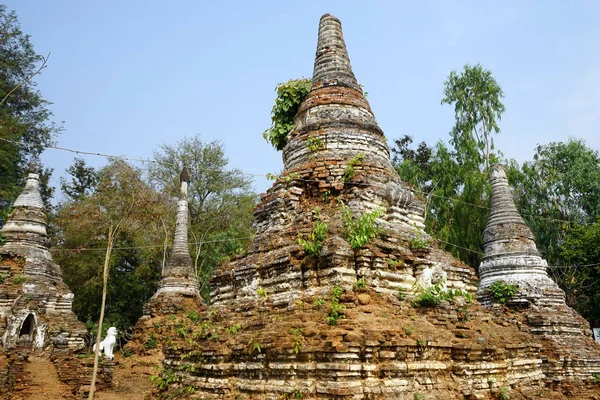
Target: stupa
x=318, y=307
x=178, y=287
x=511, y=257
x=35, y=304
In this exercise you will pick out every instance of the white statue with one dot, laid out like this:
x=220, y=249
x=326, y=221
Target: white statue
x=108, y=343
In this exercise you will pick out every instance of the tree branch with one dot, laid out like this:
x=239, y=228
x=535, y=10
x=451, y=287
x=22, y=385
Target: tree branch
x=28, y=79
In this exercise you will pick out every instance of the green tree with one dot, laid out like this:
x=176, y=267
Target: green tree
x=476, y=97
x=558, y=190
x=558, y=194
x=120, y=198
x=83, y=180
x=220, y=200
x=454, y=180
x=24, y=114
x=581, y=281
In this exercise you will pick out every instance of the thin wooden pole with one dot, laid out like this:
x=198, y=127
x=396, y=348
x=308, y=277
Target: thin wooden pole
x=104, y=289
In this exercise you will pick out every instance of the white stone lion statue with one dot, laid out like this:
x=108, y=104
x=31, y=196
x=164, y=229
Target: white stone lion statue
x=108, y=343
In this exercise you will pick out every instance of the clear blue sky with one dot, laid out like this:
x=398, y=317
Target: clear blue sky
x=127, y=76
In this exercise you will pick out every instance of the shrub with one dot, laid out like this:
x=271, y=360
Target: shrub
x=349, y=171
x=360, y=284
x=501, y=291
x=289, y=96
x=315, y=144
x=435, y=294
x=314, y=244
x=152, y=342
x=360, y=231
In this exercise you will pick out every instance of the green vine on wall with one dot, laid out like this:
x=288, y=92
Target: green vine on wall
x=289, y=96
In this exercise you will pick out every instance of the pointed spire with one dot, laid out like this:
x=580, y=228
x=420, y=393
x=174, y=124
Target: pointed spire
x=25, y=231
x=510, y=253
x=178, y=278
x=26, y=226
x=332, y=64
x=506, y=231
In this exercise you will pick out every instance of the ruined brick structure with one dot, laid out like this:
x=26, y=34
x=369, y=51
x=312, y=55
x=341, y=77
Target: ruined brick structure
x=35, y=304
x=339, y=323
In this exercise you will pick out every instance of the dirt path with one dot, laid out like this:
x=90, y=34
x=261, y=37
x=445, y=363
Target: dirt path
x=130, y=379
x=40, y=382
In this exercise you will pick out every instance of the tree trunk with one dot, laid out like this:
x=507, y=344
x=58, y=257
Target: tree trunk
x=104, y=287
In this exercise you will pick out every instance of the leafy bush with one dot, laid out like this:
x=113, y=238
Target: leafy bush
x=435, y=294
x=152, y=342
x=335, y=308
x=502, y=291
x=318, y=302
x=314, y=244
x=289, y=96
x=232, y=330
x=349, y=171
x=360, y=231
x=314, y=144
x=360, y=284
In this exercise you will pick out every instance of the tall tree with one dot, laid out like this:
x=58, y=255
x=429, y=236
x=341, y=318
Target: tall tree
x=476, y=97
x=220, y=200
x=119, y=198
x=454, y=179
x=24, y=114
x=83, y=180
x=558, y=193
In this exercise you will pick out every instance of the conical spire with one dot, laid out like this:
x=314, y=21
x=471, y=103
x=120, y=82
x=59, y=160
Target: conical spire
x=506, y=231
x=510, y=252
x=179, y=278
x=335, y=112
x=332, y=64
x=25, y=231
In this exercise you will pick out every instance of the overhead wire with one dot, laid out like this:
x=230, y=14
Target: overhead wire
x=267, y=176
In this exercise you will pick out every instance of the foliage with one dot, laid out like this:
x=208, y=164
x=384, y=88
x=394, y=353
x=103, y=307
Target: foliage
x=456, y=192
x=135, y=266
x=314, y=243
x=289, y=96
x=419, y=241
x=221, y=201
x=261, y=292
x=435, y=294
x=232, y=330
x=164, y=378
x=318, y=302
x=297, y=333
x=349, y=171
x=152, y=342
x=83, y=180
x=18, y=280
x=360, y=284
x=502, y=291
x=315, y=144
x=558, y=194
x=596, y=378
x=503, y=393
x=24, y=113
x=335, y=308
x=413, y=166
x=254, y=346
x=361, y=230
x=476, y=97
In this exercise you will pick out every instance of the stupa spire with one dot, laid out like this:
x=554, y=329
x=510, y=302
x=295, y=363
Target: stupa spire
x=25, y=231
x=510, y=252
x=178, y=278
x=332, y=64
